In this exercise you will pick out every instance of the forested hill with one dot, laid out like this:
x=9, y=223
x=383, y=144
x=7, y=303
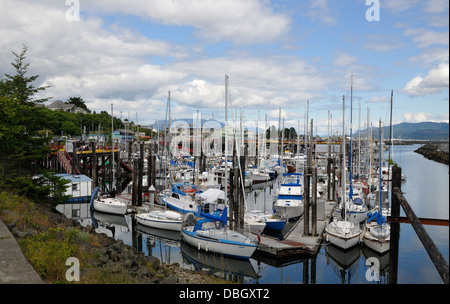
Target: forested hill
x=420, y=130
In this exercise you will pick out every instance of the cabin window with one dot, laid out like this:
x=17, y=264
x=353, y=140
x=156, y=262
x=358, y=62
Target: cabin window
x=75, y=187
x=174, y=195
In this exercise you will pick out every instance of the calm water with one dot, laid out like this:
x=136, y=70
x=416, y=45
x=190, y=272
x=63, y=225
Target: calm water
x=426, y=190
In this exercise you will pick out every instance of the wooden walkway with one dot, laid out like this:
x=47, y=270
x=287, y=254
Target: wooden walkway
x=295, y=243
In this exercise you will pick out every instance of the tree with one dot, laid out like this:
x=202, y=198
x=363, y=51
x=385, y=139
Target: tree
x=19, y=86
x=79, y=102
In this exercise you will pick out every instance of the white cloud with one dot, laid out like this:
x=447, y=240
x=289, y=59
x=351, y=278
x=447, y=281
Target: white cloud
x=400, y=5
x=436, y=6
x=422, y=116
x=430, y=56
x=342, y=59
x=377, y=99
x=426, y=38
x=243, y=22
x=434, y=82
x=321, y=11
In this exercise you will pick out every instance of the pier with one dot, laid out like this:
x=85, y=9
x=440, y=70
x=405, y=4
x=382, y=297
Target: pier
x=295, y=241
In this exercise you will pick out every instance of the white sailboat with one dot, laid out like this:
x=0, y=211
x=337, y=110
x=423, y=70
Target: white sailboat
x=377, y=234
x=107, y=204
x=211, y=234
x=343, y=233
x=168, y=220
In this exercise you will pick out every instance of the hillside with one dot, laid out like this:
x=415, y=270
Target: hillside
x=421, y=130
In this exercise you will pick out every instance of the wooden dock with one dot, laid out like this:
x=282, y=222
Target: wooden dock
x=294, y=242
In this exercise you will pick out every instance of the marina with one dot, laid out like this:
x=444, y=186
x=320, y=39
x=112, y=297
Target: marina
x=289, y=257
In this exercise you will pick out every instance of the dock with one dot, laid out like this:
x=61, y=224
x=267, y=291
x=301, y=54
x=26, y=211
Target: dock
x=295, y=242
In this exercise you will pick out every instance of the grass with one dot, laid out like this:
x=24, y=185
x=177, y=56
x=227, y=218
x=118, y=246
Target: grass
x=55, y=239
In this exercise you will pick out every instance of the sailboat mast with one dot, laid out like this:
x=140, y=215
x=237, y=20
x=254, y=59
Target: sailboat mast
x=226, y=140
x=350, y=152
x=381, y=176
x=343, y=178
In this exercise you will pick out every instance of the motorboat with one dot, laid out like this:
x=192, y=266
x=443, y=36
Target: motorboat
x=272, y=221
x=289, y=201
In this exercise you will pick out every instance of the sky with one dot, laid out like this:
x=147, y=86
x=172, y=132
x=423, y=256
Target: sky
x=279, y=56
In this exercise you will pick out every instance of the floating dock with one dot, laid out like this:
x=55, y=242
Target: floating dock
x=295, y=242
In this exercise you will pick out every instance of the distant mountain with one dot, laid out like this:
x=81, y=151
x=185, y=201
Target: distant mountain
x=420, y=130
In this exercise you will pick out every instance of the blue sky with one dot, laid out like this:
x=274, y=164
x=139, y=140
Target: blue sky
x=277, y=54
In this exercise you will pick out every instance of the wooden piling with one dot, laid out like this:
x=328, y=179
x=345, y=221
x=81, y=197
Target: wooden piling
x=436, y=257
x=314, y=202
x=140, y=173
x=94, y=166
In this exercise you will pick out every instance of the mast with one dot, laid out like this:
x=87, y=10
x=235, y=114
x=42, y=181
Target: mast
x=343, y=178
x=391, y=135
x=226, y=140
x=381, y=179
x=113, y=184
x=350, y=152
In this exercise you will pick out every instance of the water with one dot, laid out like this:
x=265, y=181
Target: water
x=426, y=190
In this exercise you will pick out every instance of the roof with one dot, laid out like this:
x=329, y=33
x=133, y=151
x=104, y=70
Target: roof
x=75, y=178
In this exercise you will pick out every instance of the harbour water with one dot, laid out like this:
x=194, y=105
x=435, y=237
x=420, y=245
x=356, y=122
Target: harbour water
x=426, y=190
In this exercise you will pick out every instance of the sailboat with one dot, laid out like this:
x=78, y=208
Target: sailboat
x=343, y=233
x=107, y=204
x=211, y=234
x=377, y=233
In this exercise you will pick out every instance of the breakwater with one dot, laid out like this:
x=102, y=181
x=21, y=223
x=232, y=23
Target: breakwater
x=436, y=152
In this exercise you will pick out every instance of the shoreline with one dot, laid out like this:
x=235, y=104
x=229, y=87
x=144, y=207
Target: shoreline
x=436, y=152
x=103, y=260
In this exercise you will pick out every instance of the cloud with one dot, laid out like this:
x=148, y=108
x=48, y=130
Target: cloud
x=321, y=11
x=400, y=5
x=377, y=99
x=382, y=42
x=342, y=59
x=430, y=56
x=436, y=6
x=422, y=116
x=426, y=38
x=243, y=22
x=434, y=82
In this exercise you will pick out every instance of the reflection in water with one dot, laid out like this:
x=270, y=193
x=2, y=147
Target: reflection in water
x=428, y=197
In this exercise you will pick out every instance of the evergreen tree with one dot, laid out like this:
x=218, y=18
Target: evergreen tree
x=19, y=86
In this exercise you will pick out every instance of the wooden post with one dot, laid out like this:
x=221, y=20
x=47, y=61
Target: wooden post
x=241, y=187
x=436, y=257
x=94, y=167
x=314, y=202
x=140, y=173
x=329, y=179
x=395, y=227
x=306, y=202
x=333, y=181
x=149, y=166
x=134, y=189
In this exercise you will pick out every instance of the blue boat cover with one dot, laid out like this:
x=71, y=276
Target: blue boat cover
x=378, y=216
x=358, y=201
x=93, y=195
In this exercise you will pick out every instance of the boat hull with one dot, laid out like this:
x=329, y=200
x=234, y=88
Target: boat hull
x=378, y=242
x=344, y=243
x=275, y=225
x=289, y=211
x=160, y=223
x=221, y=246
x=110, y=208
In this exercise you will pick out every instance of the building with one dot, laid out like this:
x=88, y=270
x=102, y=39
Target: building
x=59, y=105
x=79, y=187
